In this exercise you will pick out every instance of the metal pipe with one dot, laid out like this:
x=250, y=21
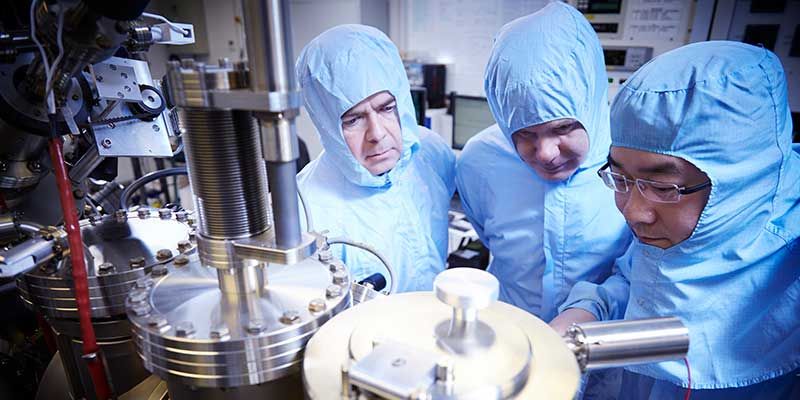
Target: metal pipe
x=609, y=344
x=283, y=184
x=86, y=165
x=269, y=44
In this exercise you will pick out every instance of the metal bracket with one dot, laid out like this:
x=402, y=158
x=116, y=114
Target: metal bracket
x=258, y=249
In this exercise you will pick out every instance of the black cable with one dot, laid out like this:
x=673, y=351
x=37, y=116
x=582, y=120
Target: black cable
x=125, y=198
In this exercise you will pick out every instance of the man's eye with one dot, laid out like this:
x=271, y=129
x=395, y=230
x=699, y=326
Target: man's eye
x=389, y=108
x=350, y=121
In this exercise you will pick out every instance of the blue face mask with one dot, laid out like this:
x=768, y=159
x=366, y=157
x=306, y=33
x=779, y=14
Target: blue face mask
x=339, y=69
x=735, y=281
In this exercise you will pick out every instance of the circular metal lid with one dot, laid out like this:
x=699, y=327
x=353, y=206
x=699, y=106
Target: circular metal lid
x=118, y=249
x=187, y=329
x=510, y=353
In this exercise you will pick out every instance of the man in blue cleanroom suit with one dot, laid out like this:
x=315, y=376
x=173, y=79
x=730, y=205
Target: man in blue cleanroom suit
x=381, y=179
x=532, y=194
x=726, y=258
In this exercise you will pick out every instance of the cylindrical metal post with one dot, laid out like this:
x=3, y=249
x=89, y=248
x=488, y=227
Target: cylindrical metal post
x=609, y=344
x=282, y=179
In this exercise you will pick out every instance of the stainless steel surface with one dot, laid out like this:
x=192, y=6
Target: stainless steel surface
x=609, y=344
x=193, y=85
x=527, y=351
x=279, y=137
x=361, y=293
x=54, y=385
x=25, y=256
x=124, y=367
x=49, y=290
x=115, y=78
x=86, y=165
x=237, y=338
x=264, y=248
x=226, y=172
x=283, y=181
x=135, y=137
x=269, y=45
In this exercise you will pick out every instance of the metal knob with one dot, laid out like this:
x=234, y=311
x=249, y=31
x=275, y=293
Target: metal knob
x=467, y=290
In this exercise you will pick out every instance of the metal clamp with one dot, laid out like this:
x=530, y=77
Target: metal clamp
x=267, y=251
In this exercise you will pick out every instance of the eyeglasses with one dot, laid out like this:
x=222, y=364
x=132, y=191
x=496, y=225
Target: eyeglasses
x=659, y=192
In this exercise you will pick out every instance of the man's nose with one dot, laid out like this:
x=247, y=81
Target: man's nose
x=637, y=210
x=375, y=130
x=546, y=150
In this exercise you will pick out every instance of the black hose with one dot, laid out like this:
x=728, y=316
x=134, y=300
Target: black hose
x=125, y=198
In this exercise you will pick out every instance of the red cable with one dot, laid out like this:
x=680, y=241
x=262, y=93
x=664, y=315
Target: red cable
x=689, y=378
x=90, y=349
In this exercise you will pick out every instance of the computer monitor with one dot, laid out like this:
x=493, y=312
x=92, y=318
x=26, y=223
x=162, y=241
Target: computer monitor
x=471, y=115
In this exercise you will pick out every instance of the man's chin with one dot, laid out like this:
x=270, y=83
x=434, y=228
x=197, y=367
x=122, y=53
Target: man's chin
x=381, y=168
x=555, y=176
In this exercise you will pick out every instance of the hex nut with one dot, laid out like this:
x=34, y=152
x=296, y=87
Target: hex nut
x=181, y=261
x=164, y=254
x=181, y=216
x=290, y=317
x=143, y=213
x=340, y=277
x=157, y=321
x=256, y=326
x=136, y=262
x=105, y=268
x=184, y=329
x=159, y=270
x=333, y=291
x=219, y=332
x=141, y=310
x=121, y=215
x=184, y=245
x=164, y=213
x=317, y=305
x=143, y=283
x=138, y=295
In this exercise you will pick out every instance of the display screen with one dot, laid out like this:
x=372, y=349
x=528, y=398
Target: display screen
x=607, y=27
x=765, y=35
x=794, y=51
x=767, y=6
x=600, y=7
x=470, y=116
x=614, y=57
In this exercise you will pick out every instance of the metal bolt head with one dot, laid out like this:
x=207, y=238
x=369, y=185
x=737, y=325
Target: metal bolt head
x=138, y=295
x=325, y=255
x=159, y=270
x=256, y=326
x=106, y=142
x=317, y=305
x=184, y=245
x=121, y=216
x=164, y=213
x=141, y=310
x=143, y=213
x=184, y=329
x=340, y=277
x=333, y=291
x=444, y=370
x=163, y=254
x=157, y=321
x=219, y=332
x=290, y=317
x=105, y=268
x=181, y=216
x=181, y=260
x=156, y=128
x=78, y=193
x=94, y=219
x=136, y=262
x=143, y=283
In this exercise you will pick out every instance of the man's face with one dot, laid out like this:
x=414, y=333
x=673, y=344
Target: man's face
x=553, y=149
x=659, y=224
x=372, y=132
